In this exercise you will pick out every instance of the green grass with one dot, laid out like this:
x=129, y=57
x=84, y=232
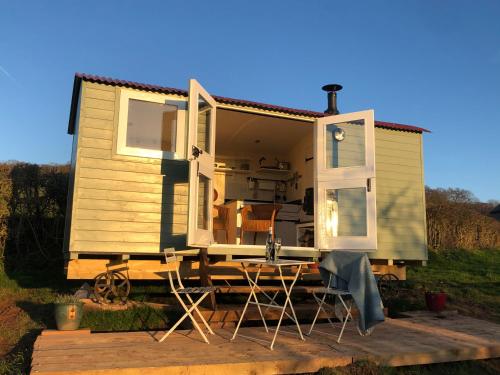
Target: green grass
x=470, y=278
x=28, y=299
x=136, y=319
x=486, y=367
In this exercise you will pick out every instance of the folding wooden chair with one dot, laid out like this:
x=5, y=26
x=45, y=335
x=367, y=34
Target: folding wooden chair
x=326, y=291
x=191, y=305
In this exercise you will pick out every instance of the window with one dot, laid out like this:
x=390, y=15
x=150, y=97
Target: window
x=150, y=125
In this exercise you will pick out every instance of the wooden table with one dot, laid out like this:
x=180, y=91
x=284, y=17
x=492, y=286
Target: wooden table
x=279, y=264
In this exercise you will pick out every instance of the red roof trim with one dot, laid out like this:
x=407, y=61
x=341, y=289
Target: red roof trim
x=224, y=100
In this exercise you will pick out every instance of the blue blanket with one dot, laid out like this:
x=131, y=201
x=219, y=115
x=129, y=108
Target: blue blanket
x=352, y=271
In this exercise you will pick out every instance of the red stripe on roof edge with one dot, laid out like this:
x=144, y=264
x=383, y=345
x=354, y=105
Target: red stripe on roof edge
x=241, y=102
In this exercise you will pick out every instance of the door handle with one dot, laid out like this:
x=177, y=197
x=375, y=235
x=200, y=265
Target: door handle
x=368, y=185
x=196, y=152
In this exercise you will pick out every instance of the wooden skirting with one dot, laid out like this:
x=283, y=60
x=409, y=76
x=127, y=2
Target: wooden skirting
x=87, y=269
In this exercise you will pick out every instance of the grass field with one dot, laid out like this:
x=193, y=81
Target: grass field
x=471, y=279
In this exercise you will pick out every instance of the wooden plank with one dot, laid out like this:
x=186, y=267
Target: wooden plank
x=98, y=86
x=99, y=104
x=140, y=217
x=128, y=226
x=96, y=133
x=95, y=152
x=118, y=247
x=95, y=93
x=104, y=144
x=409, y=173
x=388, y=161
x=101, y=114
x=205, y=278
x=177, y=204
x=87, y=269
x=388, y=135
x=55, y=332
x=131, y=237
x=125, y=166
x=127, y=196
x=96, y=123
x=107, y=174
x=397, y=146
x=392, y=155
x=97, y=183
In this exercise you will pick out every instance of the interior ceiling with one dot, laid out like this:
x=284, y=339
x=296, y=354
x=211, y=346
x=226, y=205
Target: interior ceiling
x=239, y=132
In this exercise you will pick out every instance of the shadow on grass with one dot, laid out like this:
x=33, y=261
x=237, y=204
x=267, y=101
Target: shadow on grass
x=18, y=359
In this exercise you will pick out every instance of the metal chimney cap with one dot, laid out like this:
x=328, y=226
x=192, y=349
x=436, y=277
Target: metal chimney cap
x=333, y=87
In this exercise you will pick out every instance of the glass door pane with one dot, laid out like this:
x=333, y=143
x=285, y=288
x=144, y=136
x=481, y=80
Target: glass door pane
x=203, y=202
x=204, y=125
x=345, y=144
x=346, y=212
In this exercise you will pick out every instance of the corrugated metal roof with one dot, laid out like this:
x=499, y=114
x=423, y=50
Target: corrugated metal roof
x=220, y=99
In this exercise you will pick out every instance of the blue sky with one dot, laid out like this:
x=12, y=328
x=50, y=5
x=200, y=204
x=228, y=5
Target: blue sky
x=435, y=64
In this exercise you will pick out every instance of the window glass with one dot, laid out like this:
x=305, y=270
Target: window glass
x=204, y=125
x=151, y=125
x=203, y=203
x=346, y=212
x=345, y=144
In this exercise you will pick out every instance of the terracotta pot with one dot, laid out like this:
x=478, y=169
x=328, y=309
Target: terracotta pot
x=435, y=301
x=314, y=266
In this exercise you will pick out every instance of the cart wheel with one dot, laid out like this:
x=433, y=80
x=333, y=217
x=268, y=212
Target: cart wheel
x=110, y=286
x=388, y=286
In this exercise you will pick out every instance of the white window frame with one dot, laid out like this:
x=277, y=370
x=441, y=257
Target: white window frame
x=179, y=134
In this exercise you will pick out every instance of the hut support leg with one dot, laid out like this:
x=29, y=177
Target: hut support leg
x=205, y=278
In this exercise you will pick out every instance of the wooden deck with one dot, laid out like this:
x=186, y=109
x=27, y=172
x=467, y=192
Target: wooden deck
x=396, y=342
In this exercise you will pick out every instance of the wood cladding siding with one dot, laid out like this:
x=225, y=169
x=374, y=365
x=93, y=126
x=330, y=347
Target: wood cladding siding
x=400, y=196
x=122, y=203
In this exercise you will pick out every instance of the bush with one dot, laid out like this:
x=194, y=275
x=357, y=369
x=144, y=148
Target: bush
x=32, y=214
x=456, y=220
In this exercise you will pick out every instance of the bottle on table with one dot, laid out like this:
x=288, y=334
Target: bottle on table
x=269, y=245
x=276, y=249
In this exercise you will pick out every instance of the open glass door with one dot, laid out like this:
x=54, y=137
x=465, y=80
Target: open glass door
x=201, y=156
x=345, y=211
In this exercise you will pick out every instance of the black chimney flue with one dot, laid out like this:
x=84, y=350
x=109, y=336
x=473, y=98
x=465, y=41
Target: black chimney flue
x=332, y=89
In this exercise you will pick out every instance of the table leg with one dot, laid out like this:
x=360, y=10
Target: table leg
x=253, y=286
x=287, y=302
x=272, y=301
x=252, y=293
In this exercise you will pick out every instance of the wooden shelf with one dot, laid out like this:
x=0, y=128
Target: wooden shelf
x=273, y=170
x=232, y=170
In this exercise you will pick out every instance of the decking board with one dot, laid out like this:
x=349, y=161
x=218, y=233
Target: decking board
x=398, y=342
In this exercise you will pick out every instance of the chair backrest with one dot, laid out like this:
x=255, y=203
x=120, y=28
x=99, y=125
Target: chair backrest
x=223, y=213
x=171, y=259
x=265, y=211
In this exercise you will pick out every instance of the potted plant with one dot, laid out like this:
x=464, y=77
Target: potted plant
x=68, y=311
x=435, y=300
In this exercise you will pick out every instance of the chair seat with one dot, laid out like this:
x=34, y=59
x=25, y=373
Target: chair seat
x=338, y=292
x=197, y=289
